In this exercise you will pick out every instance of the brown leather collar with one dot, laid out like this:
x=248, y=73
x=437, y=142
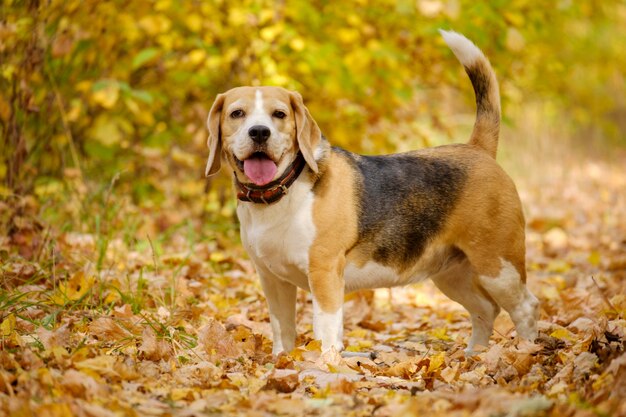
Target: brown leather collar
x=273, y=191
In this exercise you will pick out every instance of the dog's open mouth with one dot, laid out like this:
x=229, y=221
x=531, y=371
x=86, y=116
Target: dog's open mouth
x=260, y=168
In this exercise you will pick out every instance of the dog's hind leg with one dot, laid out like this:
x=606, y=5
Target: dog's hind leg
x=281, y=299
x=458, y=282
x=509, y=290
x=495, y=248
x=500, y=271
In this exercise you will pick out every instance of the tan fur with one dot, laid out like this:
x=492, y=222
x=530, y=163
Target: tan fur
x=336, y=218
x=489, y=198
x=221, y=125
x=308, y=133
x=358, y=256
x=214, y=142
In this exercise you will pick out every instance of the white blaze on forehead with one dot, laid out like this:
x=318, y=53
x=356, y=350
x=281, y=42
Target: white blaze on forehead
x=259, y=115
x=258, y=102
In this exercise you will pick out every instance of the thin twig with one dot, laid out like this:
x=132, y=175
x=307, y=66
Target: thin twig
x=604, y=297
x=493, y=328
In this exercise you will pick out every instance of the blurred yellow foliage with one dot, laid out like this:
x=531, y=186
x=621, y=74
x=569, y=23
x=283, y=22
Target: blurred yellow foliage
x=115, y=77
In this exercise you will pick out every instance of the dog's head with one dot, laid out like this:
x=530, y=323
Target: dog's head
x=260, y=131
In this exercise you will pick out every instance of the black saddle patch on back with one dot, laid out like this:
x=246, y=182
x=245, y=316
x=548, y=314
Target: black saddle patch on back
x=405, y=201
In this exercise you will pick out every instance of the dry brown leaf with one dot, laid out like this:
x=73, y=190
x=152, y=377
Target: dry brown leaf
x=492, y=358
x=283, y=380
x=405, y=369
x=214, y=339
x=521, y=361
x=364, y=365
x=450, y=373
x=246, y=340
x=506, y=373
x=323, y=378
x=105, y=328
x=81, y=385
x=123, y=311
x=343, y=386
x=203, y=374
x=154, y=348
x=261, y=328
x=54, y=338
x=583, y=325
x=528, y=347
x=101, y=365
x=475, y=377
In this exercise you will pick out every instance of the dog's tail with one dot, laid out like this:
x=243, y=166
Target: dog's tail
x=487, y=125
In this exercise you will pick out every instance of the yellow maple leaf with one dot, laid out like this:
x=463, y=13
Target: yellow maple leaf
x=440, y=333
x=562, y=334
x=8, y=326
x=436, y=361
x=314, y=345
x=74, y=288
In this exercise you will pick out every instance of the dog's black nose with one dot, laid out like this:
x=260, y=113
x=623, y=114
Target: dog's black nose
x=259, y=133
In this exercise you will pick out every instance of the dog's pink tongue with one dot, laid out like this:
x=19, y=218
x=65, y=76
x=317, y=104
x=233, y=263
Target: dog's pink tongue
x=259, y=170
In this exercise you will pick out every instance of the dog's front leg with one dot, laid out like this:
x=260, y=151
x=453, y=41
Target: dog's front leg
x=281, y=299
x=327, y=287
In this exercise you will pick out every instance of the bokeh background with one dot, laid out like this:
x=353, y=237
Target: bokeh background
x=93, y=91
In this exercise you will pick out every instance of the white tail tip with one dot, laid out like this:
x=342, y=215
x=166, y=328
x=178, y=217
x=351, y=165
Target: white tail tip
x=463, y=48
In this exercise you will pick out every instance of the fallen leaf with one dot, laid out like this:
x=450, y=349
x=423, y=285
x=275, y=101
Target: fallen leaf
x=51, y=339
x=152, y=347
x=81, y=385
x=283, y=380
x=216, y=340
x=105, y=328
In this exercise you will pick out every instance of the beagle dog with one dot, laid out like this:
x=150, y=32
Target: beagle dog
x=330, y=221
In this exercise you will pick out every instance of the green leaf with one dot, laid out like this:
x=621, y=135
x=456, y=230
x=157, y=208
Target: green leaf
x=142, y=95
x=144, y=56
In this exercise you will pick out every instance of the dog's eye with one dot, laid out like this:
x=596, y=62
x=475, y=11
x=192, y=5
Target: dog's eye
x=237, y=114
x=279, y=114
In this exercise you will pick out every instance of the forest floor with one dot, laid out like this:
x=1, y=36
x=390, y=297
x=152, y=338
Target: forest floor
x=95, y=321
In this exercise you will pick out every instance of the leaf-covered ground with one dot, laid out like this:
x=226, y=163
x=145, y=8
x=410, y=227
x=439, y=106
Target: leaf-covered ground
x=103, y=323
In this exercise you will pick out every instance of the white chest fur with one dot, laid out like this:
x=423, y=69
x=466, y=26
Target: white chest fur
x=278, y=236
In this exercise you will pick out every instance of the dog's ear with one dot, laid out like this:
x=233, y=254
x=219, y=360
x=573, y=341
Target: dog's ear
x=308, y=133
x=215, y=138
